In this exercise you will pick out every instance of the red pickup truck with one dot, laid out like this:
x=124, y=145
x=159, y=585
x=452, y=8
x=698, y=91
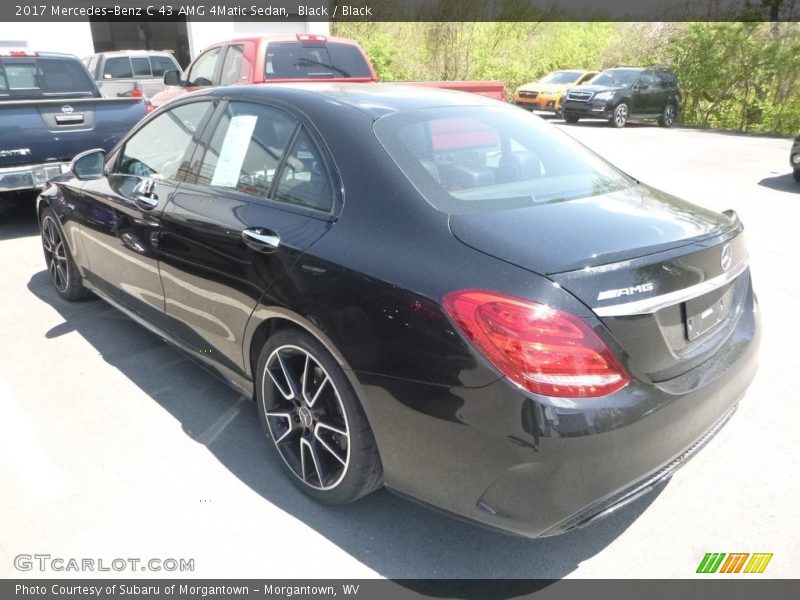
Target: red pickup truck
x=287, y=58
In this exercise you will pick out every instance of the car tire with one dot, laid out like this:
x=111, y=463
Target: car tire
x=63, y=271
x=797, y=174
x=312, y=415
x=620, y=116
x=571, y=119
x=667, y=118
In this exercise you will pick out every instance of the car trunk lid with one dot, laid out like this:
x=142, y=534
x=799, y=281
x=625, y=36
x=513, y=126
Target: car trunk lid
x=663, y=275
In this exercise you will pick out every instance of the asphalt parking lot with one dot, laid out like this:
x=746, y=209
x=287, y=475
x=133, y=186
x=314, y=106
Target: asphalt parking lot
x=114, y=445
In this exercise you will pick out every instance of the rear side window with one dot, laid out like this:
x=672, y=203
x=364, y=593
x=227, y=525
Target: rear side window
x=666, y=79
x=117, y=67
x=293, y=60
x=160, y=149
x=303, y=180
x=247, y=148
x=141, y=66
x=160, y=64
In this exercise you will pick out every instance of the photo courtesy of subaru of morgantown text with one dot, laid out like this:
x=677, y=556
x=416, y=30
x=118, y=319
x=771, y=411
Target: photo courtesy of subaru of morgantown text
x=421, y=289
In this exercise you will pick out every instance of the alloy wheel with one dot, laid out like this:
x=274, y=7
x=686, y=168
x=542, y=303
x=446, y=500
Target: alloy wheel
x=621, y=115
x=669, y=115
x=55, y=253
x=306, y=417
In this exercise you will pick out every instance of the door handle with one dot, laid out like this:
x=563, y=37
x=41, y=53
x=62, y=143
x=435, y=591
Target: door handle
x=145, y=202
x=261, y=239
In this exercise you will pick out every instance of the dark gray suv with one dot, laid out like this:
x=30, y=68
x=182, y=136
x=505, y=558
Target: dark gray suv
x=626, y=93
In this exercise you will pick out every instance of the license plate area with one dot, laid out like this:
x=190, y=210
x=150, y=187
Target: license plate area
x=705, y=313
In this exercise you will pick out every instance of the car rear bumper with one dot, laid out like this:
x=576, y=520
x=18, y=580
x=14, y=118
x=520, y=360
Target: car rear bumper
x=588, y=110
x=29, y=177
x=539, y=466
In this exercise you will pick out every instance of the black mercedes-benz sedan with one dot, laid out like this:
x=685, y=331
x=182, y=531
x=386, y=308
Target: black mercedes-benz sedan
x=423, y=290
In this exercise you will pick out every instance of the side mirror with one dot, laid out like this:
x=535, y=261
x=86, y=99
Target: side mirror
x=641, y=86
x=172, y=78
x=89, y=164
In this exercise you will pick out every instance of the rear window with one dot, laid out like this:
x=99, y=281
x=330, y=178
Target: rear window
x=44, y=76
x=141, y=66
x=293, y=60
x=117, y=67
x=468, y=159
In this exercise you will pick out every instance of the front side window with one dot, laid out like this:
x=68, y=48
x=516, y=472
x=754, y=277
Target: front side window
x=246, y=149
x=202, y=72
x=647, y=79
x=160, y=149
x=232, y=71
x=467, y=159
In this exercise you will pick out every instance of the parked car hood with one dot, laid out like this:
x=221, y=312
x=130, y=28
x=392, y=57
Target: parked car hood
x=587, y=232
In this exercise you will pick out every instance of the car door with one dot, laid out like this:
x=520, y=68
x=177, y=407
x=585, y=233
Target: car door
x=645, y=95
x=121, y=212
x=237, y=67
x=261, y=193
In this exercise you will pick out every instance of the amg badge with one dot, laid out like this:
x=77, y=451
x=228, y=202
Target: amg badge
x=628, y=291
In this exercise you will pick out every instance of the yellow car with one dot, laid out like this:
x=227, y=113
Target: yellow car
x=547, y=93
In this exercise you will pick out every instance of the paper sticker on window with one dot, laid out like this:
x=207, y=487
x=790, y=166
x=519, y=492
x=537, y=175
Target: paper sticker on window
x=234, y=149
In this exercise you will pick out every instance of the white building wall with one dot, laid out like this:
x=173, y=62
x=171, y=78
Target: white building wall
x=71, y=38
x=76, y=38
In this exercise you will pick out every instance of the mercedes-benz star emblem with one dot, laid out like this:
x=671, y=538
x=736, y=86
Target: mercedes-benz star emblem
x=67, y=109
x=726, y=258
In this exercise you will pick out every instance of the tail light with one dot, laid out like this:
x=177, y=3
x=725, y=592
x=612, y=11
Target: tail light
x=148, y=106
x=542, y=349
x=311, y=37
x=18, y=53
x=137, y=92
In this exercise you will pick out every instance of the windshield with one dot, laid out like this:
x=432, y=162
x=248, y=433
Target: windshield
x=466, y=159
x=560, y=77
x=616, y=77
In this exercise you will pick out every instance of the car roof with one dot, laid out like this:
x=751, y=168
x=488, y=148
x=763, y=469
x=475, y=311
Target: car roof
x=375, y=99
x=283, y=37
x=34, y=54
x=133, y=53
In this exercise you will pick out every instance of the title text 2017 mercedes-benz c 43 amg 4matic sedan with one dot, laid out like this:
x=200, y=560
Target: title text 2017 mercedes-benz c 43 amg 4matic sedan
x=421, y=289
